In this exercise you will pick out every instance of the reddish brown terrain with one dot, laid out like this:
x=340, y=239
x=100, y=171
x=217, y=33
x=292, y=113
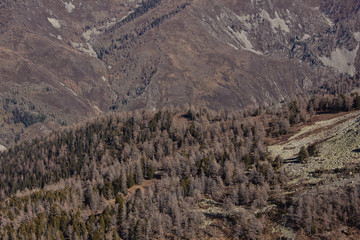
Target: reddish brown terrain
x=66, y=61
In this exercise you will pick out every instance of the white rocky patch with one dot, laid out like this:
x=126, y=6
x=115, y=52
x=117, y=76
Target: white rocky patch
x=357, y=36
x=328, y=20
x=110, y=24
x=68, y=89
x=109, y=67
x=54, y=22
x=242, y=39
x=89, y=50
x=96, y=108
x=130, y=12
x=87, y=34
x=71, y=91
x=2, y=148
x=276, y=22
x=69, y=7
x=232, y=45
x=103, y=78
x=245, y=20
x=59, y=37
x=342, y=60
x=288, y=12
x=306, y=36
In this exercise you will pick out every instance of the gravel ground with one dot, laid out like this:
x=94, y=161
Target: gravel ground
x=338, y=143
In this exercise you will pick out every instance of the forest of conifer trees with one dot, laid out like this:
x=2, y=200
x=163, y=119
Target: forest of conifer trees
x=169, y=174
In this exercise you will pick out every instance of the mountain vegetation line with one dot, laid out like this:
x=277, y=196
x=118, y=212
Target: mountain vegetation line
x=170, y=174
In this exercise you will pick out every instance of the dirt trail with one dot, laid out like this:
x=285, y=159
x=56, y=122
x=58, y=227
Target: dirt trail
x=142, y=187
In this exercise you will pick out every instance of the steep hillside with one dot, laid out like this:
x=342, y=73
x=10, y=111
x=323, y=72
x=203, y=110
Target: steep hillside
x=198, y=174
x=65, y=61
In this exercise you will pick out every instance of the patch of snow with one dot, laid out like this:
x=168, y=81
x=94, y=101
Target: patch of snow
x=103, y=78
x=2, y=148
x=342, y=60
x=54, y=22
x=276, y=22
x=62, y=84
x=69, y=7
x=59, y=37
x=109, y=67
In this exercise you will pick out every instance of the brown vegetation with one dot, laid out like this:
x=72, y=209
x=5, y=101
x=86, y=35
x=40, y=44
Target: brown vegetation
x=170, y=174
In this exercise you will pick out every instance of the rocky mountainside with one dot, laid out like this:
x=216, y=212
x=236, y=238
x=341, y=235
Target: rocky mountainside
x=65, y=61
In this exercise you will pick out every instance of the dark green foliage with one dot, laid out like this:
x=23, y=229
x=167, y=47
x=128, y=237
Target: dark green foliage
x=107, y=190
x=26, y=118
x=189, y=115
x=130, y=180
x=356, y=103
x=278, y=162
x=193, y=131
x=116, y=186
x=303, y=155
x=154, y=122
x=312, y=149
x=135, y=232
x=185, y=184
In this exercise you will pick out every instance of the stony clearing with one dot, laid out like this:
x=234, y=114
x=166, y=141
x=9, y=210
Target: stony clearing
x=54, y=22
x=2, y=148
x=338, y=142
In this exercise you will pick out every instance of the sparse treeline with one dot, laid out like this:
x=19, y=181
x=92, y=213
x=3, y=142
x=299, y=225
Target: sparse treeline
x=325, y=209
x=169, y=174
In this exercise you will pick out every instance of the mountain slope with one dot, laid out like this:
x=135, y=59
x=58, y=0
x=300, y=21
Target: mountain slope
x=65, y=61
